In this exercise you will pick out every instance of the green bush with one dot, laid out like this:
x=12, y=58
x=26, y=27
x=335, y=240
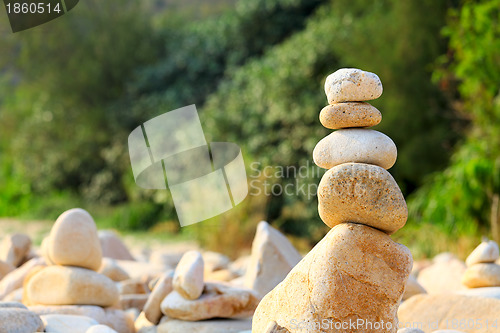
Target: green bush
x=460, y=198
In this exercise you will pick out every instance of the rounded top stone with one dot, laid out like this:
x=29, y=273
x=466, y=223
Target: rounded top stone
x=73, y=240
x=486, y=252
x=352, y=85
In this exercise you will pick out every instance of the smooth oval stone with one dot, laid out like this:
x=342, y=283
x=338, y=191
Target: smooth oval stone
x=350, y=114
x=59, y=285
x=361, y=193
x=352, y=85
x=486, y=252
x=188, y=278
x=482, y=275
x=357, y=145
x=74, y=241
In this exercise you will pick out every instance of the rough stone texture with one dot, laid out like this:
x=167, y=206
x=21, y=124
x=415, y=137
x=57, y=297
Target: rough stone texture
x=14, y=248
x=14, y=280
x=354, y=272
x=162, y=288
x=361, y=193
x=488, y=292
x=113, y=247
x=440, y=311
x=443, y=276
x=114, y=318
x=5, y=268
x=486, y=252
x=58, y=285
x=217, y=301
x=67, y=323
x=188, y=277
x=352, y=85
x=351, y=114
x=272, y=258
x=100, y=329
x=17, y=320
x=359, y=145
x=413, y=288
x=482, y=275
x=110, y=268
x=73, y=240
x=207, y=326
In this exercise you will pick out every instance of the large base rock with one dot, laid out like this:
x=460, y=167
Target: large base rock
x=355, y=275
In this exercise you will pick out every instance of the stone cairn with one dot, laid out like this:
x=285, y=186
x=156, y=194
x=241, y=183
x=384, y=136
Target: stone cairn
x=482, y=271
x=74, y=255
x=354, y=278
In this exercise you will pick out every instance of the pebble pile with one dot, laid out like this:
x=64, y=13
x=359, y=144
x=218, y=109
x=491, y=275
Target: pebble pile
x=85, y=281
x=74, y=255
x=356, y=272
x=482, y=271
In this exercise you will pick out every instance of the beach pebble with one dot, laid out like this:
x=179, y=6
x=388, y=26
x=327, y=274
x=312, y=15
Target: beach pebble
x=188, y=277
x=356, y=145
x=352, y=85
x=361, y=193
x=162, y=288
x=217, y=301
x=272, y=258
x=18, y=320
x=74, y=242
x=482, y=275
x=349, y=114
x=59, y=285
x=486, y=252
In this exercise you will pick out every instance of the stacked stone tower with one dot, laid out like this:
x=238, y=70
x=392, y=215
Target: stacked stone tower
x=354, y=278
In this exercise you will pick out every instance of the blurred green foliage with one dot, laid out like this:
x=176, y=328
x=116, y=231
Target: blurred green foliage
x=460, y=198
x=72, y=90
x=271, y=104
